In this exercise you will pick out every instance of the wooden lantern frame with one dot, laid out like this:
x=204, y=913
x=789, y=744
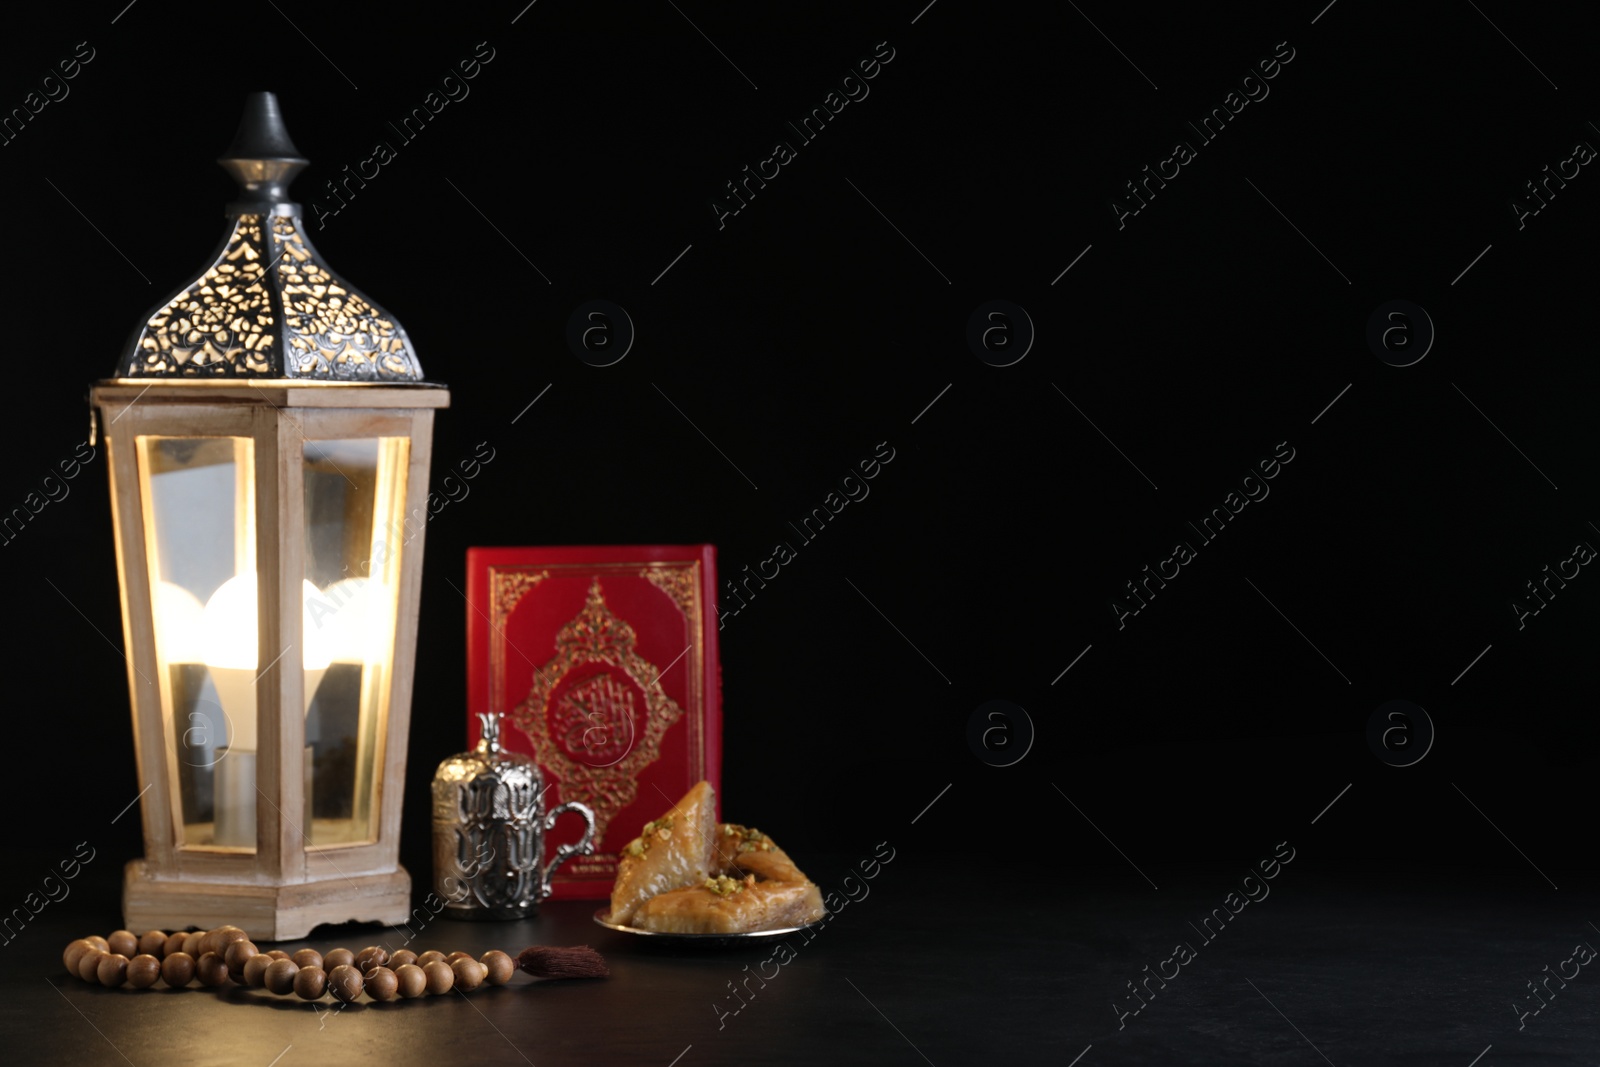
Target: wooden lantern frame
x=285, y=887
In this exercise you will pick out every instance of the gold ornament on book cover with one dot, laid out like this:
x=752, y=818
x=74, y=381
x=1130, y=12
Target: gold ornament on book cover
x=594, y=713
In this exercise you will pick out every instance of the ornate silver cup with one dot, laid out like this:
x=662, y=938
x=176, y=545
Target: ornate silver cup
x=489, y=824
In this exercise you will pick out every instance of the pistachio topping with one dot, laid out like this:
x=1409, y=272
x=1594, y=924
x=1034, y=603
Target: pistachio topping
x=753, y=840
x=660, y=829
x=722, y=885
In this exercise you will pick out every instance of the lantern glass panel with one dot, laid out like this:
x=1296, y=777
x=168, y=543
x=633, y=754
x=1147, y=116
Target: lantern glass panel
x=354, y=539
x=199, y=522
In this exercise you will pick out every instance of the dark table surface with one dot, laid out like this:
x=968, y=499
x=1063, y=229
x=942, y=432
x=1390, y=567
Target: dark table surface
x=932, y=964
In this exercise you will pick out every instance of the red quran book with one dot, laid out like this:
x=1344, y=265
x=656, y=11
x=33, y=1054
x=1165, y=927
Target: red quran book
x=603, y=659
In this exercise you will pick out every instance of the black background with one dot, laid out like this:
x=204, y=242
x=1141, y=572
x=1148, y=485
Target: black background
x=808, y=329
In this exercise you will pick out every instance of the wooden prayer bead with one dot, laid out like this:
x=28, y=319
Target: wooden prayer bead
x=345, y=983
x=279, y=976
x=255, y=970
x=441, y=979
x=177, y=970
x=218, y=940
x=499, y=965
x=310, y=982
x=112, y=970
x=413, y=981
x=237, y=955
x=143, y=970
x=89, y=965
x=469, y=974
x=381, y=984
x=211, y=970
x=74, y=954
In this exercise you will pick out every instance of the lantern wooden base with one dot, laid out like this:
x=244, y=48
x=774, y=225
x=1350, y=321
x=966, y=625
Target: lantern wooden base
x=265, y=912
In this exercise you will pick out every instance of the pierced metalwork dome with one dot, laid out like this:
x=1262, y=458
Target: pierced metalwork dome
x=268, y=306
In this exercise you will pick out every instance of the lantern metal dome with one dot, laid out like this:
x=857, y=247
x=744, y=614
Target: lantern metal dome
x=268, y=306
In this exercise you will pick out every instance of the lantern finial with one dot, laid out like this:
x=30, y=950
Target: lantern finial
x=261, y=158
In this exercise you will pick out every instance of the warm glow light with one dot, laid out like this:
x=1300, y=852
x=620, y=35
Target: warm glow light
x=351, y=619
x=228, y=635
x=229, y=645
x=179, y=622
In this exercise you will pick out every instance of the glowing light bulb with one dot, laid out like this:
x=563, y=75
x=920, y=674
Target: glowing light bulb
x=229, y=626
x=228, y=638
x=351, y=619
x=229, y=642
x=178, y=622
